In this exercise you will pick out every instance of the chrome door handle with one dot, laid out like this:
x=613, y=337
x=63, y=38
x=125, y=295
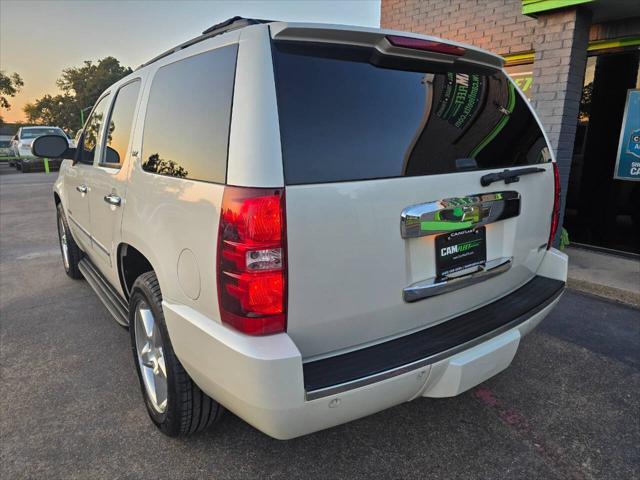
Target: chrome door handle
x=82, y=188
x=113, y=199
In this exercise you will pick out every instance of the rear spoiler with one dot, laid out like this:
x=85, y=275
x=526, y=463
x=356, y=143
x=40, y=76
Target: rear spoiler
x=390, y=43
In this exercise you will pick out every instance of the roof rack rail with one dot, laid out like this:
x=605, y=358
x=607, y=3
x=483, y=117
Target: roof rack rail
x=233, y=23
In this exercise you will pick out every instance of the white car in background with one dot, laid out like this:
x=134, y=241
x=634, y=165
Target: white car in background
x=21, y=142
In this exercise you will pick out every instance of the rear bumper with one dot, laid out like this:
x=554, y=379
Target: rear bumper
x=264, y=381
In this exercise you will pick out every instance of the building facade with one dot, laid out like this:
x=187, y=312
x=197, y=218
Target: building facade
x=577, y=61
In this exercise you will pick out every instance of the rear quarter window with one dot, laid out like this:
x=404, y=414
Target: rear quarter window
x=186, y=129
x=343, y=118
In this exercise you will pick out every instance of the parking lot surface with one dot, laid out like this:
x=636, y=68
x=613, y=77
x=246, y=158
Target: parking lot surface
x=568, y=407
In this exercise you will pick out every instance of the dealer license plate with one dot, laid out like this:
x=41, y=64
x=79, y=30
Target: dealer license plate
x=460, y=250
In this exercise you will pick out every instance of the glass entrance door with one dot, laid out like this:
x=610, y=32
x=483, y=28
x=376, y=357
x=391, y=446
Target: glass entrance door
x=601, y=211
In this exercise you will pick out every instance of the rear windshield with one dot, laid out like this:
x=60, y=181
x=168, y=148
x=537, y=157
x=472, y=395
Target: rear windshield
x=343, y=118
x=38, y=132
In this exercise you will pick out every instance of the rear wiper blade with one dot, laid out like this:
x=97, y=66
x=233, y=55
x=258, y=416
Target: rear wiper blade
x=509, y=176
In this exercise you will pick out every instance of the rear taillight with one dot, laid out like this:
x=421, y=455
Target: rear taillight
x=555, y=215
x=251, y=270
x=425, y=45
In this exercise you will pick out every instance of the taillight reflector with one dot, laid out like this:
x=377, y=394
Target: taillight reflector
x=251, y=271
x=555, y=214
x=425, y=45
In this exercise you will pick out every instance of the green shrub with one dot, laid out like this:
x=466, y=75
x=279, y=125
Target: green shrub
x=564, y=239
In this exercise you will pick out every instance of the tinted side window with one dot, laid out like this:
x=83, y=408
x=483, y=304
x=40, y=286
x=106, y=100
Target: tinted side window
x=120, y=124
x=90, y=137
x=186, y=132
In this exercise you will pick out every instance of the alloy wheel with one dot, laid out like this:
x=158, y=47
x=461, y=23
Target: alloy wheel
x=62, y=234
x=150, y=353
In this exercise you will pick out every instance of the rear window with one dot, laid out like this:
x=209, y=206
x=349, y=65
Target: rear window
x=186, y=128
x=343, y=118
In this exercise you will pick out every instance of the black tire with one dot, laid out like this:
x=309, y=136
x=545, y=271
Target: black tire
x=75, y=254
x=189, y=409
x=26, y=168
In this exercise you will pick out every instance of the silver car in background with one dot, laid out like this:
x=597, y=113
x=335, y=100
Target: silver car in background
x=21, y=147
x=21, y=142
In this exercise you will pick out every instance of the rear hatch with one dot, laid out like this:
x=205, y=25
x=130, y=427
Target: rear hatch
x=394, y=221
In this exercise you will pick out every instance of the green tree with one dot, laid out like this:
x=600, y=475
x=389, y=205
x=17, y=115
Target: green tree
x=87, y=82
x=165, y=167
x=58, y=110
x=81, y=87
x=9, y=86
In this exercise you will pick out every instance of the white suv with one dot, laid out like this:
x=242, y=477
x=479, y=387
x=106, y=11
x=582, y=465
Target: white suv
x=307, y=224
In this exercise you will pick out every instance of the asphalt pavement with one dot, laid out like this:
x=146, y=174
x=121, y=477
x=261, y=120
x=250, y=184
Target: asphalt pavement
x=70, y=405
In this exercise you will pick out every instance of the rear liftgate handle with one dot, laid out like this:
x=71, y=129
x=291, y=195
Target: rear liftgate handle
x=449, y=215
x=460, y=213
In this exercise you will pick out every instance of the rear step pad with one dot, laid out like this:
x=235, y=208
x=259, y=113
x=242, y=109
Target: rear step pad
x=117, y=306
x=368, y=365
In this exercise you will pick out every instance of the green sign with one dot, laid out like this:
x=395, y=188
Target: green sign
x=531, y=7
x=460, y=98
x=628, y=158
x=524, y=80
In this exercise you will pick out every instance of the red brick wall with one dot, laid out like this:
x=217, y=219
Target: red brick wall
x=560, y=43
x=496, y=25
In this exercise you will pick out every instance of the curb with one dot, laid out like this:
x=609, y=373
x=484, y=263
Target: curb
x=625, y=297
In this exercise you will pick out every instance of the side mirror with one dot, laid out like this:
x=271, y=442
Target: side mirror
x=52, y=146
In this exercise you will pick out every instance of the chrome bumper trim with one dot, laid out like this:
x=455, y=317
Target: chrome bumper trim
x=432, y=286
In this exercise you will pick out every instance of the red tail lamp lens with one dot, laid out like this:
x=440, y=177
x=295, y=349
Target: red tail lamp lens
x=261, y=219
x=258, y=293
x=555, y=214
x=425, y=45
x=251, y=260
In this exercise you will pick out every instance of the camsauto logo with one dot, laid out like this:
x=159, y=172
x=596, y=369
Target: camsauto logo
x=460, y=248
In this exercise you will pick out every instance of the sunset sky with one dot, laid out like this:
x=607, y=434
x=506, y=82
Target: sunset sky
x=40, y=38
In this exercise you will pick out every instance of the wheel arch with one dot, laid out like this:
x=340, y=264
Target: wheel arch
x=131, y=264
